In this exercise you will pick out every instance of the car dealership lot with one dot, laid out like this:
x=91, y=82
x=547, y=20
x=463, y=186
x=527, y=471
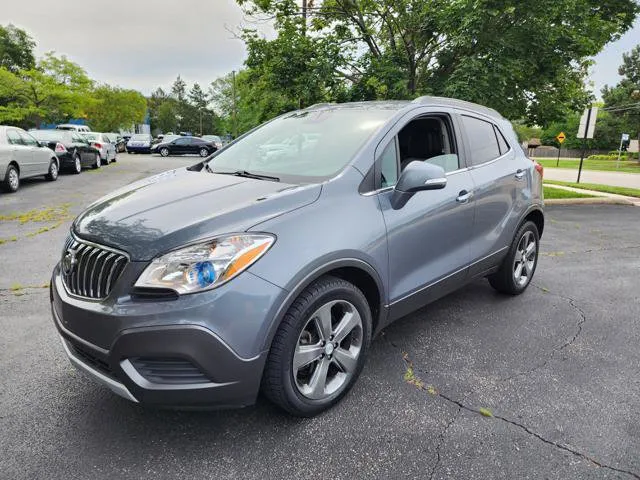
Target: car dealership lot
x=558, y=368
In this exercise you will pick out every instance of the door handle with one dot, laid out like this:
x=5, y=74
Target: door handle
x=464, y=196
x=520, y=174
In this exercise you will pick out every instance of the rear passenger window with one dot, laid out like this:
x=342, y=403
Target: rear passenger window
x=482, y=140
x=502, y=143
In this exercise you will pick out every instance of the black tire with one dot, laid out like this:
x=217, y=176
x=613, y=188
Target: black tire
x=204, y=152
x=98, y=163
x=77, y=164
x=278, y=382
x=504, y=280
x=164, y=152
x=11, y=181
x=52, y=176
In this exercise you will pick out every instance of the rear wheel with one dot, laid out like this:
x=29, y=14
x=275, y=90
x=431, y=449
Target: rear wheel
x=319, y=349
x=77, y=164
x=11, y=181
x=52, y=175
x=518, y=267
x=98, y=162
x=204, y=152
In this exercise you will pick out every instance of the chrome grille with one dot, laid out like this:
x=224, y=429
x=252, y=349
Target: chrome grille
x=95, y=271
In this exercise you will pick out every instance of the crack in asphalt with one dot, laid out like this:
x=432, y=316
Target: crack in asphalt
x=461, y=406
x=583, y=318
x=441, y=441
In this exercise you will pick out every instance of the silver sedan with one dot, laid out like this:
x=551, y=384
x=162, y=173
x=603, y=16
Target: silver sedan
x=102, y=142
x=21, y=156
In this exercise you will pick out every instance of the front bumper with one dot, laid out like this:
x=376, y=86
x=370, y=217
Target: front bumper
x=111, y=339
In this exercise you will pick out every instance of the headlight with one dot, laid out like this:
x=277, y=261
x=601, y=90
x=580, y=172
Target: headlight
x=206, y=265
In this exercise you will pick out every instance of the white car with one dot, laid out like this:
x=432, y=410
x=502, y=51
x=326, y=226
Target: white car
x=73, y=127
x=102, y=142
x=21, y=156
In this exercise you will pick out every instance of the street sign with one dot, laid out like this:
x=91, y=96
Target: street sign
x=561, y=136
x=588, y=123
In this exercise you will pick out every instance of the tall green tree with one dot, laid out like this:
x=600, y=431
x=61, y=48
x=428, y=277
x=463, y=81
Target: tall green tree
x=526, y=59
x=16, y=49
x=116, y=108
x=623, y=100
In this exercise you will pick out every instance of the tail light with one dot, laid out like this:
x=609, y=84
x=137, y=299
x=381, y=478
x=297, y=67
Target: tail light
x=97, y=145
x=539, y=169
x=60, y=148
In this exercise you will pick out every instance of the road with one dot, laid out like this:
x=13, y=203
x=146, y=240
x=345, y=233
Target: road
x=618, y=179
x=557, y=367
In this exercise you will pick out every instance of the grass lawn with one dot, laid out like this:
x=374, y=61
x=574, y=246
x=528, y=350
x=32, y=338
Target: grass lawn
x=629, y=192
x=550, y=192
x=627, y=166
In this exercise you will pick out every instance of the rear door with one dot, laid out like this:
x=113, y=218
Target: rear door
x=41, y=156
x=499, y=177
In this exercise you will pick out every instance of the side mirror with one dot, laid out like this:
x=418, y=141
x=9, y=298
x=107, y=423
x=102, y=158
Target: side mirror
x=417, y=177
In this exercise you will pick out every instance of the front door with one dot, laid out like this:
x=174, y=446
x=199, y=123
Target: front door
x=429, y=237
x=180, y=146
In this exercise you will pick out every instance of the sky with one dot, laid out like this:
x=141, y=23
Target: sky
x=144, y=44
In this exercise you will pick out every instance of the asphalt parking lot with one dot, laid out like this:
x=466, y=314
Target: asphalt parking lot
x=477, y=385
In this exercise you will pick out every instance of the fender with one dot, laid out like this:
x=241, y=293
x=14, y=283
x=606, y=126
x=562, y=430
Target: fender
x=304, y=278
x=537, y=206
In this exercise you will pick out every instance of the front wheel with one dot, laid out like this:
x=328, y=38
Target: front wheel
x=518, y=267
x=319, y=349
x=52, y=174
x=164, y=152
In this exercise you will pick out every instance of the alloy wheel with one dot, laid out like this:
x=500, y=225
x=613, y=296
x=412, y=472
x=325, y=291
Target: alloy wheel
x=525, y=259
x=327, y=351
x=164, y=152
x=14, y=179
x=204, y=152
x=53, y=170
x=77, y=165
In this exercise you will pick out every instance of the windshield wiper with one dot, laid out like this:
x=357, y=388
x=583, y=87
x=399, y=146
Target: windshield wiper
x=246, y=174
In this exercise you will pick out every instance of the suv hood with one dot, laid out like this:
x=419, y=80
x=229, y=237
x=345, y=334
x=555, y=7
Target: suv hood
x=166, y=211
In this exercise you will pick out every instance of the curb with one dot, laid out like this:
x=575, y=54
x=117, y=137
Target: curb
x=590, y=201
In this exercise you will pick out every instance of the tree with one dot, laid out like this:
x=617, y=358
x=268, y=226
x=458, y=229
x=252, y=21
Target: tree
x=16, y=49
x=526, y=59
x=116, y=108
x=199, y=102
x=623, y=100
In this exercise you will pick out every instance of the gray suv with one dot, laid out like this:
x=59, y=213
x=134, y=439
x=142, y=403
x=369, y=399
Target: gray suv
x=273, y=263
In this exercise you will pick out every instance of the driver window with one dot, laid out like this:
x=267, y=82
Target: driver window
x=28, y=139
x=429, y=139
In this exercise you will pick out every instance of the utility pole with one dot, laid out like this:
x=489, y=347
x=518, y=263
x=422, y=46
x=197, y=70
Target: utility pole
x=235, y=120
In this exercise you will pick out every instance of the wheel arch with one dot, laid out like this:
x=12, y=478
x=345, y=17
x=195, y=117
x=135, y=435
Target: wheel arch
x=356, y=271
x=535, y=215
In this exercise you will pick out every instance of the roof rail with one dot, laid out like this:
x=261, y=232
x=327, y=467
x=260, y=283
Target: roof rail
x=320, y=105
x=454, y=102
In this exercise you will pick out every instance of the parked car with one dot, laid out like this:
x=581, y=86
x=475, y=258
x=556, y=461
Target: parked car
x=215, y=139
x=184, y=146
x=201, y=285
x=118, y=140
x=21, y=156
x=102, y=142
x=73, y=127
x=139, y=143
x=72, y=149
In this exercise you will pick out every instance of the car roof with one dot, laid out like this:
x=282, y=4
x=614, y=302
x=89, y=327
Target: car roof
x=426, y=100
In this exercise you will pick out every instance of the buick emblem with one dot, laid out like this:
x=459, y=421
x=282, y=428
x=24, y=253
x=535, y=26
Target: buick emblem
x=69, y=261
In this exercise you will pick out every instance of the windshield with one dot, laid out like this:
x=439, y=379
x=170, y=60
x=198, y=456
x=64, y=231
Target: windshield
x=141, y=137
x=211, y=138
x=305, y=146
x=46, y=135
x=169, y=138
